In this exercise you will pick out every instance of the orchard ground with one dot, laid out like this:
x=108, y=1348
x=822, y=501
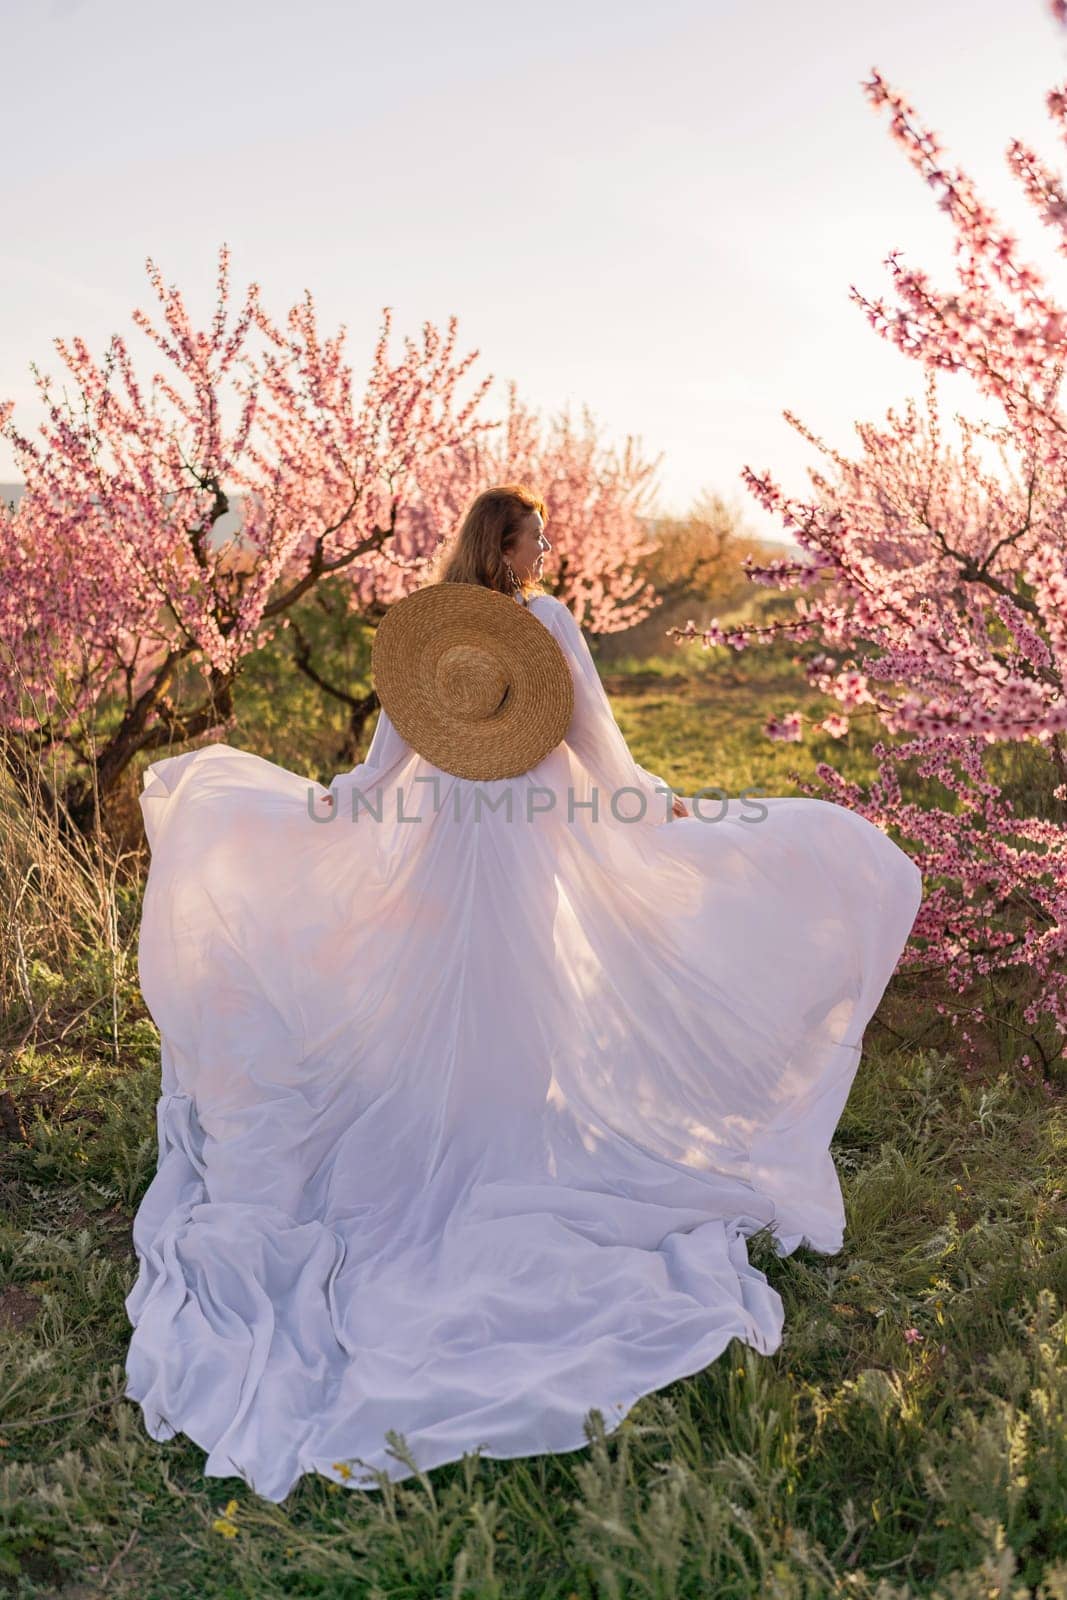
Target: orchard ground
x=909, y=1438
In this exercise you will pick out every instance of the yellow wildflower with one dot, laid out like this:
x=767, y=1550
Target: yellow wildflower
x=225, y=1524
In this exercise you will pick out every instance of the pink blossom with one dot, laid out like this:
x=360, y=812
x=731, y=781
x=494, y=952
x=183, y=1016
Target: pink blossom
x=787, y=729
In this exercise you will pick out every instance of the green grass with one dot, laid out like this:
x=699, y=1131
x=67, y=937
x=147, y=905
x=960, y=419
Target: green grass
x=850, y=1463
x=695, y=718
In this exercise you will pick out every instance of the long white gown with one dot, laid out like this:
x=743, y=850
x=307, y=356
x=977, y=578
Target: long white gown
x=466, y=1118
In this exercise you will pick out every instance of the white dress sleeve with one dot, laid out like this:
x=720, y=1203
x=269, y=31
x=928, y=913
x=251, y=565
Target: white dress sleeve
x=387, y=746
x=594, y=736
x=389, y=751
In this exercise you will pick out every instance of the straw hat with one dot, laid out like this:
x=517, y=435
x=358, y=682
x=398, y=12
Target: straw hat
x=472, y=680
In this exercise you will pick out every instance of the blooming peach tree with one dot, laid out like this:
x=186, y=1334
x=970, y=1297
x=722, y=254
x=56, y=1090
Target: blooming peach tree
x=126, y=613
x=116, y=591
x=933, y=587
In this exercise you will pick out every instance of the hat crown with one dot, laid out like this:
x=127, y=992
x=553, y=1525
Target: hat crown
x=470, y=681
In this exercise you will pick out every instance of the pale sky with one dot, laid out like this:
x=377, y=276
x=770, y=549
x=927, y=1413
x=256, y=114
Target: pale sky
x=654, y=210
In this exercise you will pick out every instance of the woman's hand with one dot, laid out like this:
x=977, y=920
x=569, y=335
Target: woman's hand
x=680, y=809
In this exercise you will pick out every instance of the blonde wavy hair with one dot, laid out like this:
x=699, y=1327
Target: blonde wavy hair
x=487, y=533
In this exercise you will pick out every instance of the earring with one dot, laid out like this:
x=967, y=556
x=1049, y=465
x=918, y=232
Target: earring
x=515, y=584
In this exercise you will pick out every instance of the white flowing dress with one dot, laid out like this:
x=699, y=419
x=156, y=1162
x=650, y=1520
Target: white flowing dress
x=468, y=1112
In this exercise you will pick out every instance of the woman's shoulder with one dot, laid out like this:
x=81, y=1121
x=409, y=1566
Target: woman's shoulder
x=546, y=603
x=557, y=616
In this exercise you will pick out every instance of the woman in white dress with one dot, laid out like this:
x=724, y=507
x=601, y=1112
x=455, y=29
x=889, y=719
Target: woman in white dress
x=464, y=1122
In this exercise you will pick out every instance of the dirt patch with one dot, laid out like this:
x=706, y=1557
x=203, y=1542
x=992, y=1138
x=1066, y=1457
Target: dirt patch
x=642, y=682
x=10, y=1122
x=18, y=1307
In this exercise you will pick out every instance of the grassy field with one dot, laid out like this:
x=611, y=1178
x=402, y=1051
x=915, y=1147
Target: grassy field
x=908, y=1438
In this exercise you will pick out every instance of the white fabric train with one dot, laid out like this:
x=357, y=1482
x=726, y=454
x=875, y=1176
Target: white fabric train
x=466, y=1116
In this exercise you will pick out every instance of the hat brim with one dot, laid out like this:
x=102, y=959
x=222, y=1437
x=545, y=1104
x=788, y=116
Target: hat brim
x=535, y=707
